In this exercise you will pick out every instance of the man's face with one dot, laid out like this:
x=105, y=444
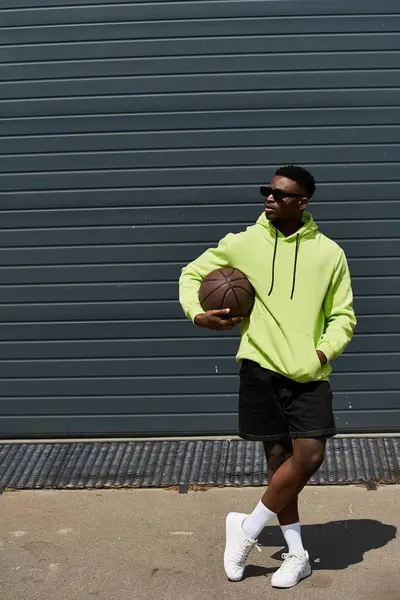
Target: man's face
x=288, y=203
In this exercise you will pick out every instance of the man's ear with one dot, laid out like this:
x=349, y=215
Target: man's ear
x=303, y=203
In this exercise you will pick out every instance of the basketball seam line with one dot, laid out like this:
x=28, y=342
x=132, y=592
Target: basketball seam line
x=239, y=287
x=225, y=295
x=228, y=281
x=236, y=298
x=213, y=291
x=224, y=283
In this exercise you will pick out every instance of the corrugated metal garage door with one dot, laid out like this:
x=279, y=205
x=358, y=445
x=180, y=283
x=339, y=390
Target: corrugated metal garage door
x=133, y=136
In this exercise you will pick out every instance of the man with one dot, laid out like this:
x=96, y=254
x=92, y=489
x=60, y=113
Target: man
x=301, y=320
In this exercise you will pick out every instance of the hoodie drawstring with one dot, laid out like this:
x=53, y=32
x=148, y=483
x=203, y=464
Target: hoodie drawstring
x=296, y=254
x=295, y=264
x=273, y=264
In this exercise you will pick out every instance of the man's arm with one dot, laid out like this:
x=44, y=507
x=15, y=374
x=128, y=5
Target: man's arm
x=340, y=319
x=193, y=275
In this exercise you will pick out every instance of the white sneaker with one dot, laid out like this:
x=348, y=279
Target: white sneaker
x=237, y=548
x=295, y=568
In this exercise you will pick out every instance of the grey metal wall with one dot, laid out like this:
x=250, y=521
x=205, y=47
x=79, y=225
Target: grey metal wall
x=133, y=136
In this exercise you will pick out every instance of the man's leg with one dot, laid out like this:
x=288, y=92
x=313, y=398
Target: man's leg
x=277, y=453
x=285, y=485
x=288, y=481
x=281, y=497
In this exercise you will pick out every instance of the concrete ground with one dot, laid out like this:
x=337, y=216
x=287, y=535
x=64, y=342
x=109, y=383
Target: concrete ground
x=156, y=545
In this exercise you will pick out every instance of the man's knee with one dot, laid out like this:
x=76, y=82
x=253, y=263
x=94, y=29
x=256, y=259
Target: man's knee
x=309, y=456
x=311, y=462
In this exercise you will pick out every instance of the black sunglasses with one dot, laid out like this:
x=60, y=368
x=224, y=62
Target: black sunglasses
x=277, y=194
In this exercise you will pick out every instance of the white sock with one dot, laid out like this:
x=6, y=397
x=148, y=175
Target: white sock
x=255, y=523
x=292, y=535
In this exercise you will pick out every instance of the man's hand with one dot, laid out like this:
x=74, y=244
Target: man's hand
x=216, y=320
x=322, y=358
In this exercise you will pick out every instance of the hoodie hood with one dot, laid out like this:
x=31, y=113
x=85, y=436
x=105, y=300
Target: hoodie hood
x=308, y=229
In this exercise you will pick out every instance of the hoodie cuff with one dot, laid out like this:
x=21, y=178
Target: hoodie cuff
x=326, y=349
x=193, y=311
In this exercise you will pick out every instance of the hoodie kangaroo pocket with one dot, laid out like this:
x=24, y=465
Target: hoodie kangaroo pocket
x=305, y=358
x=316, y=365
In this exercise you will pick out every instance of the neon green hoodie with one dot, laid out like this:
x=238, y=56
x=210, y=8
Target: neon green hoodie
x=304, y=299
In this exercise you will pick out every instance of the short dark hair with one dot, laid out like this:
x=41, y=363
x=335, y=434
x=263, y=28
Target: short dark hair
x=301, y=176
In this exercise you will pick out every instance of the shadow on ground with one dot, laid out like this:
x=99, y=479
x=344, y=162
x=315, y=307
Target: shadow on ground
x=332, y=546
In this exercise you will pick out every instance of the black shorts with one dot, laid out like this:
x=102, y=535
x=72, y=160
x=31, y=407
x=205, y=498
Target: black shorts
x=272, y=406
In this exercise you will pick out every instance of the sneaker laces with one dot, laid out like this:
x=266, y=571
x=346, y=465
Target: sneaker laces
x=292, y=561
x=244, y=550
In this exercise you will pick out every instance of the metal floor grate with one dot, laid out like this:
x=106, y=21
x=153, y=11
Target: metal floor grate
x=183, y=463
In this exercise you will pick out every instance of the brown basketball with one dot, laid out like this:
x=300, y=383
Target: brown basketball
x=227, y=288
